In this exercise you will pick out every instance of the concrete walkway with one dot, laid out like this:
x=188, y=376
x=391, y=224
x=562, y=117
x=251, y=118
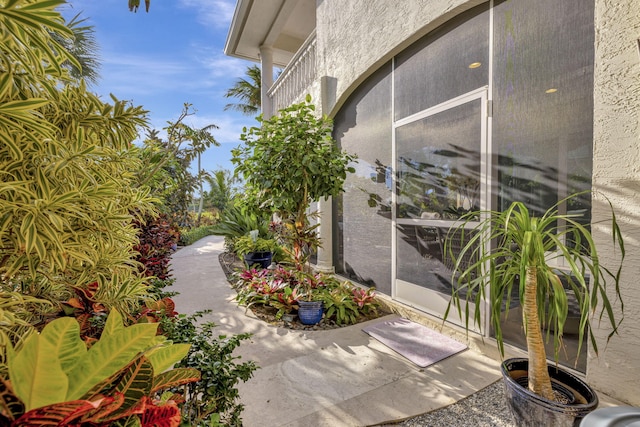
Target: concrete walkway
x=339, y=377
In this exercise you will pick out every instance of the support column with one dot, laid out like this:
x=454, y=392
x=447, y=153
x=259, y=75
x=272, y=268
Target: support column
x=325, y=232
x=325, y=217
x=266, y=80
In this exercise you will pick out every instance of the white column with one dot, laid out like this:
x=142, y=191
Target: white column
x=325, y=232
x=266, y=78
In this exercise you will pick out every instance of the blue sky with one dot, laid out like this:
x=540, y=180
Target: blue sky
x=167, y=57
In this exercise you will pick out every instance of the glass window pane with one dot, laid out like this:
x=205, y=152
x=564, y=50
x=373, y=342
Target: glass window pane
x=543, y=101
x=438, y=164
x=543, y=118
x=448, y=62
x=363, y=213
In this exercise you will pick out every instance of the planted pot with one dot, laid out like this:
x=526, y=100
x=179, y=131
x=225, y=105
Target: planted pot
x=310, y=312
x=577, y=399
x=262, y=259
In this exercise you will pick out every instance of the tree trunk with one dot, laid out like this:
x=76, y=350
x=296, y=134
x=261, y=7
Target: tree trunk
x=539, y=381
x=201, y=193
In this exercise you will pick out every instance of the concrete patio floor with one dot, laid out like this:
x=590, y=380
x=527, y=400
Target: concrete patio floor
x=339, y=377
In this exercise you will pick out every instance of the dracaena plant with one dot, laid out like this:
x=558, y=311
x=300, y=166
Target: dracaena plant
x=516, y=248
x=53, y=377
x=67, y=186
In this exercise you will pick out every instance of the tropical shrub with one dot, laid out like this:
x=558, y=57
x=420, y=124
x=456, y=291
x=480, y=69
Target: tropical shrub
x=282, y=288
x=287, y=162
x=56, y=380
x=237, y=221
x=347, y=303
x=158, y=239
x=192, y=235
x=252, y=243
x=214, y=399
x=67, y=191
x=167, y=172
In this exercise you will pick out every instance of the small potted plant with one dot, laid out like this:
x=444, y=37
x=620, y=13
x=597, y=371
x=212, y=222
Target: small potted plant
x=255, y=249
x=515, y=248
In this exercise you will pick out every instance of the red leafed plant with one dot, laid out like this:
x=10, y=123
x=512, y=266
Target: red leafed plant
x=158, y=239
x=155, y=311
x=84, y=307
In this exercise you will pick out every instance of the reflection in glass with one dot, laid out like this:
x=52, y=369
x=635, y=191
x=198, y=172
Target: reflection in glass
x=543, y=115
x=438, y=162
x=424, y=258
x=362, y=215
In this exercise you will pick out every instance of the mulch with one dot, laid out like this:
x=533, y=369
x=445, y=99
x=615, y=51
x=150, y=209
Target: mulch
x=231, y=265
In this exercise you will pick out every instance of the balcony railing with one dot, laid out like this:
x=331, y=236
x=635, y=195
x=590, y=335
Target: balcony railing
x=296, y=77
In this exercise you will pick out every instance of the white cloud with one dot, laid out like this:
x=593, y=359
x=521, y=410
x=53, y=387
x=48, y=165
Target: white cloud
x=135, y=74
x=230, y=126
x=217, y=13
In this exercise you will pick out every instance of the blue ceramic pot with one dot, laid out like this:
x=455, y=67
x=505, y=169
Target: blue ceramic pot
x=310, y=312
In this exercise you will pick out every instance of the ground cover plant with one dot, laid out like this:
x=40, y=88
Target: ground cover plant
x=278, y=291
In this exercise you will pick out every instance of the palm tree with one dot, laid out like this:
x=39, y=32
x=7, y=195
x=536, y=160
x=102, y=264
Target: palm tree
x=82, y=46
x=222, y=188
x=514, y=248
x=248, y=91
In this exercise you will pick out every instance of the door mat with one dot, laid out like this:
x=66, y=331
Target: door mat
x=419, y=344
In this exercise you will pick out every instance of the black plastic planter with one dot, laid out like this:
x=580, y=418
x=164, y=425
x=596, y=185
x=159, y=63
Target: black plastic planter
x=529, y=409
x=263, y=259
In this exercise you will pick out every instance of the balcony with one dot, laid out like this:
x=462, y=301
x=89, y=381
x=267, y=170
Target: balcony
x=294, y=80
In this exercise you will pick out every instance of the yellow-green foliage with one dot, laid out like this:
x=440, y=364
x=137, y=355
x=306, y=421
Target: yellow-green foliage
x=55, y=366
x=192, y=235
x=67, y=187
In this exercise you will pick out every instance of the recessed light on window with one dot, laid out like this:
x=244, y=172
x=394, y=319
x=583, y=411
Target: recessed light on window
x=475, y=64
x=551, y=90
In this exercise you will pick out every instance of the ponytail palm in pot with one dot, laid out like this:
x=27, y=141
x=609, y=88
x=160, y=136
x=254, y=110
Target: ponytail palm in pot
x=515, y=248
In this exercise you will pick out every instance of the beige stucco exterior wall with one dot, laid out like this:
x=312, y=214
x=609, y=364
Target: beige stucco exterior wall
x=616, y=172
x=355, y=37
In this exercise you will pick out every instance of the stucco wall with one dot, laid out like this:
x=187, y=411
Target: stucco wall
x=616, y=172
x=616, y=131
x=376, y=30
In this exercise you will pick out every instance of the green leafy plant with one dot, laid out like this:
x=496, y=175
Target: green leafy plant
x=54, y=377
x=285, y=302
x=515, y=248
x=237, y=221
x=214, y=399
x=68, y=195
x=192, y=235
x=346, y=303
x=282, y=288
x=252, y=243
x=287, y=162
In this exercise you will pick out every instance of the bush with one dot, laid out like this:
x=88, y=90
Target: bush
x=189, y=237
x=158, y=239
x=213, y=399
x=237, y=221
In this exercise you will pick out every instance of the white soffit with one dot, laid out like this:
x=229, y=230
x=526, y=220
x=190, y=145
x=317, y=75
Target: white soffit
x=283, y=25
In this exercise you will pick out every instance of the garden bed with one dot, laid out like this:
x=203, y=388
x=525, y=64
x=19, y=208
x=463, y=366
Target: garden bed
x=231, y=264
